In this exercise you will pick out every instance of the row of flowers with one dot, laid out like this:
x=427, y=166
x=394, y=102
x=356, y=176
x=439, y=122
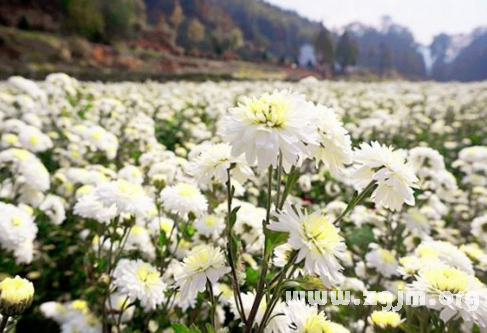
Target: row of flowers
x=193, y=207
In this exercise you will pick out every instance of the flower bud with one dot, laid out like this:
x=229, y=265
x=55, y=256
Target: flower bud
x=16, y=296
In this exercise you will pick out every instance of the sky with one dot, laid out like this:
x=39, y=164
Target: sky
x=425, y=18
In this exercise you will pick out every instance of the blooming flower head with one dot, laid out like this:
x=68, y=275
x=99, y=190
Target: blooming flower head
x=446, y=253
x=17, y=232
x=16, y=295
x=385, y=319
x=452, y=282
x=317, y=240
x=139, y=281
x=383, y=260
x=204, y=263
x=128, y=198
x=184, y=198
x=209, y=225
x=263, y=127
x=214, y=161
x=334, y=148
x=307, y=319
x=395, y=179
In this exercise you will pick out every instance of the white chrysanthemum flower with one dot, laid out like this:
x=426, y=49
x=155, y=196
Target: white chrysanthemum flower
x=411, y=265
x=417, y=221
x=82, y=323
x=395, y=179
x=17, y=232
x=214, y=161
x=204, y=263
x=33, y=139
x=132, y=174
x=128, y=198
x=317, y=240
x=334, y=148
x=443, y=280
x=102, y=140
x=303, y=318
x=31, y=171
x=479, y=228
x=447, y=253
x=263, y=127
x=426, y=158
x=140, y=281
x=90, y=207
x=277, y=323
x=385, y=320
x=184, y=198
x=210, y=225
x=53, y=207
x=477, y=254
x=383, y=260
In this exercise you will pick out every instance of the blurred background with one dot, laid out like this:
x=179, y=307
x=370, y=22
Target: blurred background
x=233, y=39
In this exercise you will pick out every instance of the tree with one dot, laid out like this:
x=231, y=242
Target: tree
x=138, y=18
x=347, y=51
x=196, y=31
x=177, y=16
x=324, y=48
x=84, y=17
x=385, y=58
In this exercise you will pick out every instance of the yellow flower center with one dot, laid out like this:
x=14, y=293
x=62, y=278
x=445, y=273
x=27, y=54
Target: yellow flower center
x=17, y=221
x=385, y=319
x=80, y=305
x=11, y=139
x=96, y=135
x=147, y=275
x=187, y=190
x=137, y=230
x=387, y=256
x=210, y=221
x=21, y=154
x=447, y=279
x=34, y=140
x=128, y=187
x=320, y=232
x=316, y=324
x=270, y=110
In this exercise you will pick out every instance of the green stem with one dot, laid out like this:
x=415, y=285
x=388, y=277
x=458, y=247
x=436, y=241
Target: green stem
x=279, y=180
x=209, y=288
x=277, y=295
x=231, y=260
x=260, y=288
x=355, y=201
x=291, y=180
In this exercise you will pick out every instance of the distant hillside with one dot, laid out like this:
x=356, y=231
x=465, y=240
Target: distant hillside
x=252, y=27
x=389, y=48
x=460, y=57
x=139, y=33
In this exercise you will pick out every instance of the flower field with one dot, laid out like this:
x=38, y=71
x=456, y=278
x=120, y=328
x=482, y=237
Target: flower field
x=193, y=207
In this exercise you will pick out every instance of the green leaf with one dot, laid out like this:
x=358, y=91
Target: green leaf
x=252, y=276
x=210, y=328
x=233, y=216
x=275, y=238
x=162, y=239
x=181, y=328
x=408, y=328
